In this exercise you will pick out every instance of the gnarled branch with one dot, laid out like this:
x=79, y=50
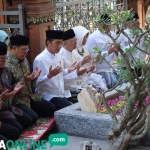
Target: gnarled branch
x=147, y=123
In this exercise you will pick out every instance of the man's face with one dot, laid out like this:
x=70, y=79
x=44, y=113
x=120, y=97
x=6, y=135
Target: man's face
x=107, y=28
x=133, y=24
x=2, y=60
x=71, y=44
x=136, y=23
x=21, y=51
x=54, y=46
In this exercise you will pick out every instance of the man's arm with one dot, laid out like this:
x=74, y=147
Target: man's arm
x=42, y=79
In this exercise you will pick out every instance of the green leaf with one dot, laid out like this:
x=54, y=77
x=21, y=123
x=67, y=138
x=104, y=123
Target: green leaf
x=97, y=50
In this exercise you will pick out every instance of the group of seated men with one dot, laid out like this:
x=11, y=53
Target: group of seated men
x=58, y=71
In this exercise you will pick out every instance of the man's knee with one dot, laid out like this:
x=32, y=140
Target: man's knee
x=34, y=117
x=10, y=132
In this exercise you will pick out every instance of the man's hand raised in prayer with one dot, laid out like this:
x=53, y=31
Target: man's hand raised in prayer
x=80, y=72
x=6, y=94
x=86, y=59
x=19, y=87
x=29, y=77
x=54, y=72
x=96, y=59
x=90, y=69
x=112, y=49
x=73, y=67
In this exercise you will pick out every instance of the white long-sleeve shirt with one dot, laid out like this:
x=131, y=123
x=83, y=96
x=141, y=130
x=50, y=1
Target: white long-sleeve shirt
x=53, y=87
x=101, y=41
x=69, y=59
x=125, y=43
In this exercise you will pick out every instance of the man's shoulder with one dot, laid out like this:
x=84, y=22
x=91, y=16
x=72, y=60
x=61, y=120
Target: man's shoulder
x=127, y=31
x=5, y=69
x=40, y=56
x=61, y=51
x=9, y=63
x=10, y=66
x=59, y=56
x=94, y=33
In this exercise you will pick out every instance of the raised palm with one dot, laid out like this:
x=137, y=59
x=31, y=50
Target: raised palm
x=20, y=86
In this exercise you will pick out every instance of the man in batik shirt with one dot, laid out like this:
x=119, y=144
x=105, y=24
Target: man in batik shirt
x=10, y=128
x=20, y=71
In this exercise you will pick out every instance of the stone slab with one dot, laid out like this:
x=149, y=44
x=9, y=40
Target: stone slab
x=86, y=124
x=114, y=93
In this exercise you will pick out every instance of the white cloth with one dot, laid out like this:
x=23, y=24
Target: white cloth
x=53, y=87
x=3, y=36
x=92, y=78
x=101, y=41
x=97, y=80
x=80, y=33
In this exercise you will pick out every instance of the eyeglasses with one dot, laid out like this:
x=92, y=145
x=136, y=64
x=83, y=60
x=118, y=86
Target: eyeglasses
x=3, y=59
x=26, y=50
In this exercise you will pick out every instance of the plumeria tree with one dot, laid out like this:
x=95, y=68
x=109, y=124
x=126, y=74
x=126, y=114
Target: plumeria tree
x=134, y=120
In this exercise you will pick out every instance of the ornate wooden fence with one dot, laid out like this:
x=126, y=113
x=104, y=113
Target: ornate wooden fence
x=82, y=12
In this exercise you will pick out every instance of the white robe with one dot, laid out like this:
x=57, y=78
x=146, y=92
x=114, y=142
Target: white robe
x=53, y=87
x=80, y=33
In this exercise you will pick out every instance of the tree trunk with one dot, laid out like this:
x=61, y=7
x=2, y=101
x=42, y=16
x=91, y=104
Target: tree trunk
x=121, y=142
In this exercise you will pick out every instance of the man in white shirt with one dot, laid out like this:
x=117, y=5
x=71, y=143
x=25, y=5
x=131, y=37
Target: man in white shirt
x=50, y=83
x=69, y=44
x=101, y=40
x=132, y=23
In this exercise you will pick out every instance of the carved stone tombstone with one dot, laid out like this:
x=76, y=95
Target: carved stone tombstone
x=89, y=100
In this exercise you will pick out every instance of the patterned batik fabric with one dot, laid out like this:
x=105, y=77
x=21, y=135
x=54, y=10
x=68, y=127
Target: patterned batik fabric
x=5, y=83
x=17, y=70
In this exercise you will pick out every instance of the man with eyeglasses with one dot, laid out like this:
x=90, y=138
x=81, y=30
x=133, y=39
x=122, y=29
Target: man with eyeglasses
x=30, y=103
x=51, y=82
x=69, y=44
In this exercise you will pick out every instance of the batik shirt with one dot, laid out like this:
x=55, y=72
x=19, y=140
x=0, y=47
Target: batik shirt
x=7, y=108
x=17, y=70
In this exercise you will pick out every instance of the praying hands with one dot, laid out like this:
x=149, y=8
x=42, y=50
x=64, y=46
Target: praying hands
x=54, y=72
x=29, y=77
x=7, y=94
x=86, y=59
